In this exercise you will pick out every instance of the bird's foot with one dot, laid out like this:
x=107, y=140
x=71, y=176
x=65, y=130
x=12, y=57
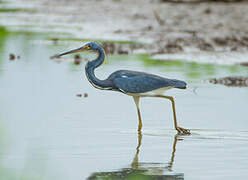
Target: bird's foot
x=182, y=131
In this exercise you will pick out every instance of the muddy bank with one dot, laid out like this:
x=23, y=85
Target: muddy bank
x=231, y=81
x=161, y=27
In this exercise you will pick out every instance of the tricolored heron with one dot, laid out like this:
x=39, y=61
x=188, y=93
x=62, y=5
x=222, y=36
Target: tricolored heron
x=132, y=83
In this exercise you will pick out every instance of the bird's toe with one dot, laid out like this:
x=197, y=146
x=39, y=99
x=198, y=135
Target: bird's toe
x=183, y=131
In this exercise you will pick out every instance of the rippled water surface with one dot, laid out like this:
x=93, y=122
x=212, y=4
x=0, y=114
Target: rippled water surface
x=48, y=132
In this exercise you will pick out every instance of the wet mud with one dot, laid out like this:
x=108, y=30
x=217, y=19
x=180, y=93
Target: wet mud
x=160, y=27
x=231, y=81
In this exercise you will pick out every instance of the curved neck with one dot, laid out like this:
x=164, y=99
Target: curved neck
x=91, y=66
x=100, y=58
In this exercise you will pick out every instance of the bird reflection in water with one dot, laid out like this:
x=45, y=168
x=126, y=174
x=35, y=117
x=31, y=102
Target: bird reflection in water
x=143, y=171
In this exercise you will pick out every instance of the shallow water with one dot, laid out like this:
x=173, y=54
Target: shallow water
x=47, y=132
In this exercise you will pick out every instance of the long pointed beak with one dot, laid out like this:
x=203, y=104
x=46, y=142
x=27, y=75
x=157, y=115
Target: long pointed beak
x=81, y=49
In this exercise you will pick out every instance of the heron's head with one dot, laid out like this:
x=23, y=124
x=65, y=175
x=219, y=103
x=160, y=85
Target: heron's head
x=93, y=46
x=90, y=46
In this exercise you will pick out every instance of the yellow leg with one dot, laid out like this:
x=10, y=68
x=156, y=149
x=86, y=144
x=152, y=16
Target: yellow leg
x=180, y=130
x=136, y=100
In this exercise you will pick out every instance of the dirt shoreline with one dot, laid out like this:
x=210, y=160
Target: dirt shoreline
x=162, y=28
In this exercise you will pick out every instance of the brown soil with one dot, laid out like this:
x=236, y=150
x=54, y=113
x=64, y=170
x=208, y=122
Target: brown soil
x=162, y=27
x=231, y=81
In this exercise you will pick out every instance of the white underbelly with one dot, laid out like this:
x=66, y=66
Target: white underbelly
x=159, y=91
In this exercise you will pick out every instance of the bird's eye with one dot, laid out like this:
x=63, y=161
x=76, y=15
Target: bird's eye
x=87, y=47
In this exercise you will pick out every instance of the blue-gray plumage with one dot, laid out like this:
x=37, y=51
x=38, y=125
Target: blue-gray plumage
x=140, y=82
x=133, y=83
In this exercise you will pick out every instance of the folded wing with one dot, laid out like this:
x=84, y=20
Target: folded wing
x=145, y=82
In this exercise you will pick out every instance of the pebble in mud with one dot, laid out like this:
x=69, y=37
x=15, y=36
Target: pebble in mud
x=12, y=56
x=244, y=64
x=231, y=81
x=170, y=48
x=204, y=46
x=109, y=47
x=207, y=11
x=84, y=95
x=122, y=51
x=77, y=59
x=112, y=48
x=55, y=41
